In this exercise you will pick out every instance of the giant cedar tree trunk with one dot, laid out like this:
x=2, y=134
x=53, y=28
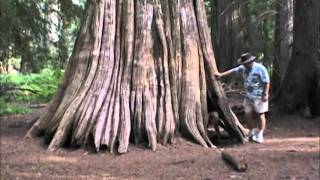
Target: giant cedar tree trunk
x=301, y=86
x=140, y=69
x=283, y=41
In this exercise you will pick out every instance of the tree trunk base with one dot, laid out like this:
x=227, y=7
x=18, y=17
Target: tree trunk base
x=141, y=69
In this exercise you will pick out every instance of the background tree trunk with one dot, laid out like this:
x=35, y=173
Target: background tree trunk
x=229, y=31
x=301, y=85
x=139, y=69
x=283, y=41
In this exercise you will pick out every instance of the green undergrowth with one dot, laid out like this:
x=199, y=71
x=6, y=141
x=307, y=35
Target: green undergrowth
x=18, y=91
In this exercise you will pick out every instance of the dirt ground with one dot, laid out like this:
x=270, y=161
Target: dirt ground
x=290, y=151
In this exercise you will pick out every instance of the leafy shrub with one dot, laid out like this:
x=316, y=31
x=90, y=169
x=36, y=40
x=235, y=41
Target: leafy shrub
x=26, y=89
x=11, y=108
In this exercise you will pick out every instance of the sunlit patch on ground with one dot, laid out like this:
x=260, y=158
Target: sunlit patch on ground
x=57, y=159
x=297, y=144
x=294, y=140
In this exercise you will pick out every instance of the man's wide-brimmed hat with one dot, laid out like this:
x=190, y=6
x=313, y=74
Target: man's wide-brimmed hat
x=246, y=58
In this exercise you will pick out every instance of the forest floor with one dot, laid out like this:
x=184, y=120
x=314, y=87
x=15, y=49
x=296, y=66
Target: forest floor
x=291, y=151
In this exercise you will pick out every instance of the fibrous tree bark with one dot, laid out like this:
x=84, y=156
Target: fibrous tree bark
x=301, y=84
x=140, y=70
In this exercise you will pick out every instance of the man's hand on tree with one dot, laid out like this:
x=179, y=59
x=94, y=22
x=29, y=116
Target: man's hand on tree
x=218, y=75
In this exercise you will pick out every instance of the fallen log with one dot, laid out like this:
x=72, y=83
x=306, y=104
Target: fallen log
x=236, y=163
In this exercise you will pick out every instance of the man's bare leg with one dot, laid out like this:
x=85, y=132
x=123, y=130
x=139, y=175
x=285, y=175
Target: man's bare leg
x=262, y=122
x=258, y=136
x=249, y=118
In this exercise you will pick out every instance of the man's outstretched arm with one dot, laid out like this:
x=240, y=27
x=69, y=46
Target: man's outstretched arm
x=228, y=72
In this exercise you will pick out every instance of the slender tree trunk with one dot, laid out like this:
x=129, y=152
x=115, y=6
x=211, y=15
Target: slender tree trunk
x=28, y=64
x=140, y=69
x=283, y=41
x=62, y=45
x=4, y=61
x=301, y=85
x=69, y=14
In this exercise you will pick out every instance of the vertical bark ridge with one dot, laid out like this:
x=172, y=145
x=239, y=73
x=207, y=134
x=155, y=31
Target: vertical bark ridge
x=150, y=105
x=112, y=120
x=90, y=103
x=148, y=93
x=199, y=125
x=81, y=122
x=162, y=53
x=125, y=120
x=160, y=113
x=203, y=123
x=142, y=69
x=110, y=113
x=171, y=58
x=103, y=126
x=167, y=101
x=105, y=96
x=203, y=90
x=204, y=36
x=176, y=63
x=96, y=94
x=118, y=58
x=190, y=73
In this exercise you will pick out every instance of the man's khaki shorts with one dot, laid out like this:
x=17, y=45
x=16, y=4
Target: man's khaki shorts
x=257, y=105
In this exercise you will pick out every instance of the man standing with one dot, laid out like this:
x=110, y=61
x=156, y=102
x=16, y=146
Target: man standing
x=256, y=83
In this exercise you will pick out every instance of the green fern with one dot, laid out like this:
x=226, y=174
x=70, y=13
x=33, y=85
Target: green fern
x=27, y=89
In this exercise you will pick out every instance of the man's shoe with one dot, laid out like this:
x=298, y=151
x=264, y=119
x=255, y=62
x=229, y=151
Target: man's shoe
x=251, y=133
x=248, y=135
x=258, y=137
